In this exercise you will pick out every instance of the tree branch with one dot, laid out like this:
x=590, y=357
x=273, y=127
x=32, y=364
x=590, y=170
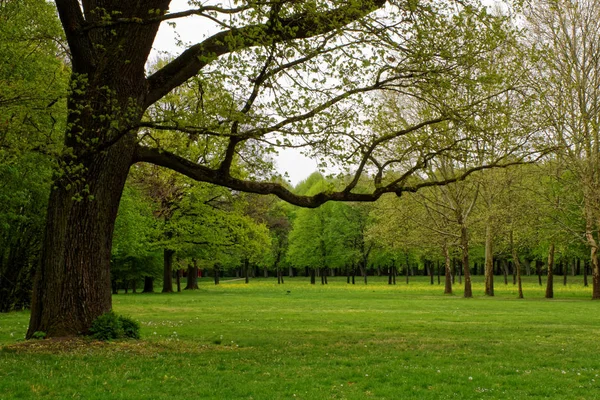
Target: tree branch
x=303, y=26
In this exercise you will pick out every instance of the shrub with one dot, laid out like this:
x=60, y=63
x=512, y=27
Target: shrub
x=107, y=326
x=131, y=328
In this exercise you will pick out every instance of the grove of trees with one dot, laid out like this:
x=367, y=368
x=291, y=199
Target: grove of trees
x=476, y=128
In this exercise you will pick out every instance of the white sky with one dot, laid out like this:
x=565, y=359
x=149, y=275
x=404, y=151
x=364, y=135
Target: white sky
x=194, y=29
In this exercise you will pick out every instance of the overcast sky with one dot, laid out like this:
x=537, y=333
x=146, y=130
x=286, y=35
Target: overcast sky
x=192, y=30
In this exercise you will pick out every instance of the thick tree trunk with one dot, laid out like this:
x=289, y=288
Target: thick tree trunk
x=148, y=284
x=168, y=271
x=550, y=281
x=192, y=276
x=489, y=261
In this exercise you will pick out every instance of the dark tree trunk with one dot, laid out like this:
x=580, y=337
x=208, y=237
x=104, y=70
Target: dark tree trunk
x=538, y=270
x=514, y=273
x=347, y=275
x=178, y=277
x=565, y=273
x=134, y=286
x=353, y=274
x=439, y=273
x=246, y=272
x=578, y=267
x=216, y=275
x=505, y=272
x=168, y=271
x=192, y=276
x=114, y=285
x=517, y=265
x=389, y=275
x=148, y=284
x=585, y=273
x=72, y=284
x=550, y=281
x=325, y=273
x=489, y=261
x=430, y=263
x=448, y=268
x=312, y=276
x=407, y=269
x=322, y=275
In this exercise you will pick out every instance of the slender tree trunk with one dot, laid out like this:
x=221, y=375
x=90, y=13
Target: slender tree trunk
x=489, y=261
x=565, y=273
x=514, y=274
x=585, y=273
x=430, y=263
x=312, y=276
x=550, y=281
x=168, y=271
x=439, y=272
x=517, y=265
x=216, y=275
x=538, y=270
x=246, y=270
x=325, y=275
x=353, y=273
x=178, y=275
x=448, y=285
x=505, y=272
x=394, y=274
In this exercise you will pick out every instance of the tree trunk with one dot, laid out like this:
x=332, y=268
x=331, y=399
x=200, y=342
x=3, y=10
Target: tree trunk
x=148, y=284
x=585, y=273
x=550, y=281
x=489, y=261
x=504, y=266
x=439, y=272
x=538, y=270
x=312, y=276
x=517, y=265
x=448, y=282
x=192, y=276
x=353, y=273
x=325, y=273
x=216, y=275
x=72, y=284
x=178, y=276
x=430, y=263
x=565, y=273
x=168, y=271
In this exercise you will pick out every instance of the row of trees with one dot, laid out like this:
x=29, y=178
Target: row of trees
x=401, y=97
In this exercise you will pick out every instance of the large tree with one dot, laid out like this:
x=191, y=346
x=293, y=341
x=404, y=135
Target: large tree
x=293, y=72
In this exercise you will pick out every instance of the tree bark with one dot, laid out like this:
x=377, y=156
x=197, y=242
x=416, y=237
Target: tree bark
x=550, y=281
x=448, y=282
x=168, y=270
x=192, y=276
x=148, y=284
x=489, y=261
x=178, y=277
x=517, y=265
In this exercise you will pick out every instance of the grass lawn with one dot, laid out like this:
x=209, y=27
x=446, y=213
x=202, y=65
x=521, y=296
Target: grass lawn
x=259, y=341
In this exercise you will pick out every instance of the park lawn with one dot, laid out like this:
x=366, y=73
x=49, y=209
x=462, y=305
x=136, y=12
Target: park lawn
x=298, y=341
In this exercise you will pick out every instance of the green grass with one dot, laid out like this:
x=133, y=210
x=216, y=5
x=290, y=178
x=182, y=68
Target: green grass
x=257, y=341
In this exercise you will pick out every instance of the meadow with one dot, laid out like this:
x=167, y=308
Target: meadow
x=300, y=341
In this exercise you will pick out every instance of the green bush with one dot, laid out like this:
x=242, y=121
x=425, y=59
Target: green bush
x=131, y=328
x=107, y=326
x=112, y=326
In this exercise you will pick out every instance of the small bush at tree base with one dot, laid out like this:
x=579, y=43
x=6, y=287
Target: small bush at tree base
x=112, y=326
x=131, y=328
